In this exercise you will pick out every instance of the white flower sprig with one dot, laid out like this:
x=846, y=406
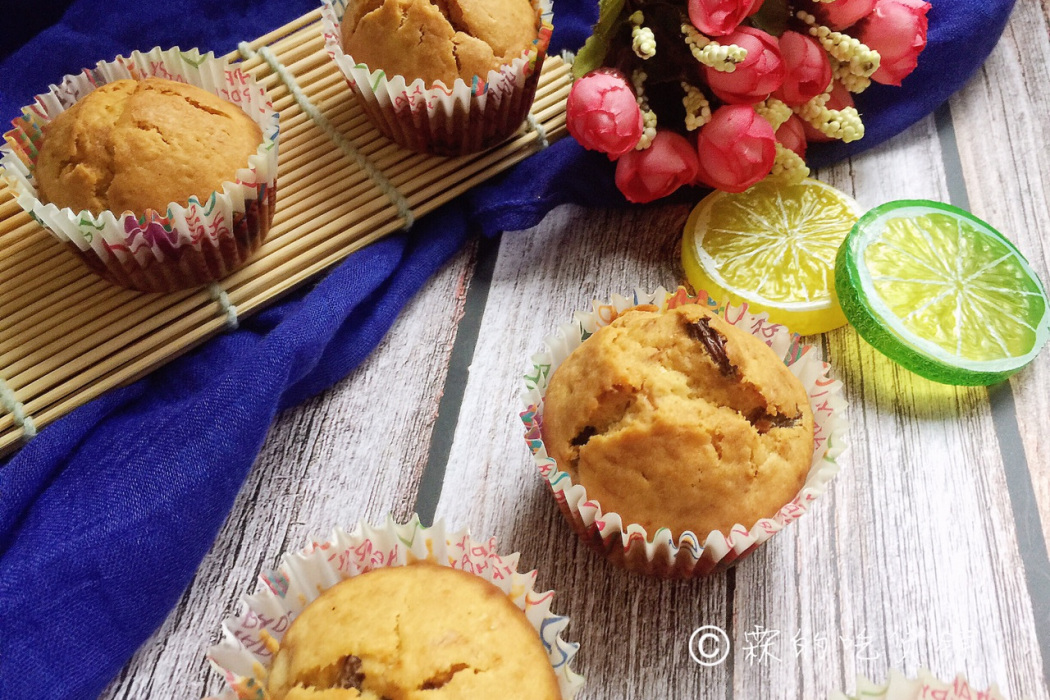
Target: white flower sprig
x=862, y=60
x=843, y=124
x=774, y=111
x=648, y=116
x=643, y=41
x=697, y=107
x=712, y=54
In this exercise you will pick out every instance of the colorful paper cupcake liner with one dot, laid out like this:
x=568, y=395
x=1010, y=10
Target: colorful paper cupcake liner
x=435, y=118
x=925, y=687
x=694, y=554
x=252, y=636
x=186, y=245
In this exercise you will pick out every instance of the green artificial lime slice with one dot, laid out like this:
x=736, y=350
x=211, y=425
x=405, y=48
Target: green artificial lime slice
x=941, y=292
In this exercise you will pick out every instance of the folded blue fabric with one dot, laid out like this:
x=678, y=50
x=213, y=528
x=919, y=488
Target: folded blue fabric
x=105, y=516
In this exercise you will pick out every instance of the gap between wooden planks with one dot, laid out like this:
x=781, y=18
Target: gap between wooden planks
x=66, y=336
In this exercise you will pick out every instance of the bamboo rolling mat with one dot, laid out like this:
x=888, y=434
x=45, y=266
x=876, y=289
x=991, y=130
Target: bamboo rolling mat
x=66, y=335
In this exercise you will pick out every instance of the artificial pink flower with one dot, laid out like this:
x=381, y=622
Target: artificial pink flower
x=807, y=70
x=842, y=13
x=668, y=163
x=736, y=149
x=602, y=113
x=756, y=76
x=897, y=30
x=720, y=17
x=792, y=136
x=840, y=99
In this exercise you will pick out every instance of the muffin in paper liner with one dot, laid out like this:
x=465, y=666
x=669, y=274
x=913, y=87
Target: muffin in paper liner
x=436, y=118
x=252, y=636
x=694, y=554
x=188, y=244
x=925, y=687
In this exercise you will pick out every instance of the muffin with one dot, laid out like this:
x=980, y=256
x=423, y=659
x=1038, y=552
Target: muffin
x=158, y=169
x=415, y=631
x=133, y=145
x=678, y=419
x=458, y=39
x=449, y=78
x=677, y=435
x=397, y=611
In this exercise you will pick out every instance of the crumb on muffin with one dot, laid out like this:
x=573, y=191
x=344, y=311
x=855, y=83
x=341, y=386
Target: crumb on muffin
x=678, y=419
x=133, y=145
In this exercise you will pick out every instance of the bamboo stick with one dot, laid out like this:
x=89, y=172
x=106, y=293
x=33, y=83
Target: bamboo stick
x=278, y=36
x=103, y=301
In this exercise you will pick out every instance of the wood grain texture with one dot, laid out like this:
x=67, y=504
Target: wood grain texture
x=355, y=452
x=872, y=579
x=911, y=560
x=1006, y=164
x=634, y=632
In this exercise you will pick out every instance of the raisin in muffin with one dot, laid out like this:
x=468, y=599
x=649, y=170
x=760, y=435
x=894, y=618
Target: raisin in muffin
x=133, y=145
x=676, y=419
x=413, y=632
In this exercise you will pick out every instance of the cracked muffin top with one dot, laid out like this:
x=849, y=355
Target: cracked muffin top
x=418, y=632
x=678, y=419
x=137, y=145
x=438, y=41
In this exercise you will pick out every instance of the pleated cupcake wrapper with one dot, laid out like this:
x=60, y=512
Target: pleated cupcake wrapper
x=694, y=554
x=433, y=118
x=251, y=637
x=136, y=248
x=925, y=687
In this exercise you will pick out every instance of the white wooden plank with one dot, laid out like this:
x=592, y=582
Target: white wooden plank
x=355, y=452
x=1002, y=119
x=634, y=631
x=917, y=439
x=911, y=560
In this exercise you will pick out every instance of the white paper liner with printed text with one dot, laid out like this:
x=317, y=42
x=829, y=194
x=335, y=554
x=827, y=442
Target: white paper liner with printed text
x=251, y=637
x=694, y=554
x=433, y=118
x=188, y=244
x=925, y=687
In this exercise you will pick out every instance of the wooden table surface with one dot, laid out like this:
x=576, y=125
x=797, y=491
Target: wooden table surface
x=929, y=549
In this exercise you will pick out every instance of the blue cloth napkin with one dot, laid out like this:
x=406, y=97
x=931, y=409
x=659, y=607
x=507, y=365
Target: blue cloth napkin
x=105, y=516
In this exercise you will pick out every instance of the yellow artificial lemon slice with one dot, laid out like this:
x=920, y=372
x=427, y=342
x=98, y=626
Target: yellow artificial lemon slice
x=773, y=247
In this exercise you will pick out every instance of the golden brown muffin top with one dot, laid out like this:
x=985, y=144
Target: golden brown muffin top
x=137, y=145
x=419, y=632
x=678, y=419
x=441, y=40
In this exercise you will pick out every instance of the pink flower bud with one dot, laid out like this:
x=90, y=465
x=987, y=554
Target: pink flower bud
x=736, y=148
x=842, y=13
x=807, y=70
x=659, y=170
x=602, y=113
x=720, y=17
x=897, y=30
x=840, y=99
x=756, y=77
x=792, y=136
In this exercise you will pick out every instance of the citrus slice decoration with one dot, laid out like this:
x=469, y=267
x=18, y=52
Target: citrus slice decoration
x=942, y=293
x=772, y=246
